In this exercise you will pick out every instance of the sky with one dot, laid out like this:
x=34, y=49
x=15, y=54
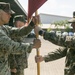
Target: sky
x=54, y=7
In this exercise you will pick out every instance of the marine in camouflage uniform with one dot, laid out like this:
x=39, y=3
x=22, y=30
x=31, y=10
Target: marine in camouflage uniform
x=68, y=49
x=19, y=61
x=7, y=45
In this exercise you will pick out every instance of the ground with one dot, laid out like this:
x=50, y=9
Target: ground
x=50, y=68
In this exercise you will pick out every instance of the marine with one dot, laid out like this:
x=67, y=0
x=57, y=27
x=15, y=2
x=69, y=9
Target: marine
x=68, y=48
x=7, y=45
x=19, y=62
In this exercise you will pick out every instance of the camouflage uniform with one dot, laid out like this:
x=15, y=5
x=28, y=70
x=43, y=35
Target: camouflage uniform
x=68, y=50
x=19, y=61
x=7, y=45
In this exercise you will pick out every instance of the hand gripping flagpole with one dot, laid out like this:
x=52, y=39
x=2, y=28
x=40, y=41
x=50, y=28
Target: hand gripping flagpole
x=37, y=50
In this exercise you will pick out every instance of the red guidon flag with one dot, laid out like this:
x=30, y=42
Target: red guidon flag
x=33, y=5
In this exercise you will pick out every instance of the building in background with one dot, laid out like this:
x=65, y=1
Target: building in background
x=46, y=21
x=49, y=18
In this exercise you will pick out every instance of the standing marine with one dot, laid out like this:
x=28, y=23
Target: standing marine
x=18, y=62
x=7, y=45
x=68, y=50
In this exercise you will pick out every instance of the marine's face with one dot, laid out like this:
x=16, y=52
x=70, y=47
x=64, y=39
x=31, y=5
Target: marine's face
x=5, y=17
x=20, y=24
x=73, y=25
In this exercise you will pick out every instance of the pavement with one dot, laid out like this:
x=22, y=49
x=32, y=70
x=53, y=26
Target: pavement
x=50, y=68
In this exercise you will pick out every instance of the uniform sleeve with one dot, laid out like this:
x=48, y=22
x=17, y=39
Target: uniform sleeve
x=52, y=37
x=9, y=45
x=15, y=32
x=59, y=53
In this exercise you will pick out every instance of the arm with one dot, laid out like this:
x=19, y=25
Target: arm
x=59, y=53
x=15, y=47
x=10, y=46
x=18, y=32
x=52, y=37
x=67, y=41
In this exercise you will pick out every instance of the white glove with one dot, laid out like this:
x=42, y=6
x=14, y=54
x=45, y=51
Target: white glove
x=37, y=29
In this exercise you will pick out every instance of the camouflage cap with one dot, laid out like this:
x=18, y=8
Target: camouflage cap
x=6, y=7
x=19, y=18
x=73, y=19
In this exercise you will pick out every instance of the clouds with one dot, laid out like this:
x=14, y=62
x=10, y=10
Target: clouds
x=55, y=7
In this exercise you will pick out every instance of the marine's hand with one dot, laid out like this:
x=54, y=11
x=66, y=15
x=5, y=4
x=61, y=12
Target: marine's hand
x=39, y=59
x=37, y=29
x=14, y=70
x=36, y=43
x=31, y=23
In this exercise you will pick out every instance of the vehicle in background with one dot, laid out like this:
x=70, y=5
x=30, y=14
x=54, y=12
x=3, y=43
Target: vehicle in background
x=74, y=33
x=58, y=33
x=65, y=34
x=70, y=33
x=52, y=31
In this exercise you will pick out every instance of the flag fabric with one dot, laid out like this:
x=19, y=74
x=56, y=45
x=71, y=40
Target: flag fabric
x=33, y=5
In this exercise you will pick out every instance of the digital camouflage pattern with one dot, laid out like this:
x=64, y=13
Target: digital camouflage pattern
x=68, y=50
x=20, y=61
x=7, y=45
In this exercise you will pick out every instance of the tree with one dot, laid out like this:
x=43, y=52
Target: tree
x=61, y=23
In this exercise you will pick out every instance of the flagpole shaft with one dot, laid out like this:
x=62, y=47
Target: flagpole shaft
x=38, y=64
x=37, y=50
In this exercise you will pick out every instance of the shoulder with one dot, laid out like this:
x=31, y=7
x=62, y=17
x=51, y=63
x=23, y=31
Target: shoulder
x=6, y=26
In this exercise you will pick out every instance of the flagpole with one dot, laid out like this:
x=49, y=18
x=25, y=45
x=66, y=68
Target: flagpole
x=31, y=10
x=37, y=50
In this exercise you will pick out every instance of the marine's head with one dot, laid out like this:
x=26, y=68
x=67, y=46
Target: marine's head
x=6, y=7
x=5, y=12
x=19, y=20
x=73, y=19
